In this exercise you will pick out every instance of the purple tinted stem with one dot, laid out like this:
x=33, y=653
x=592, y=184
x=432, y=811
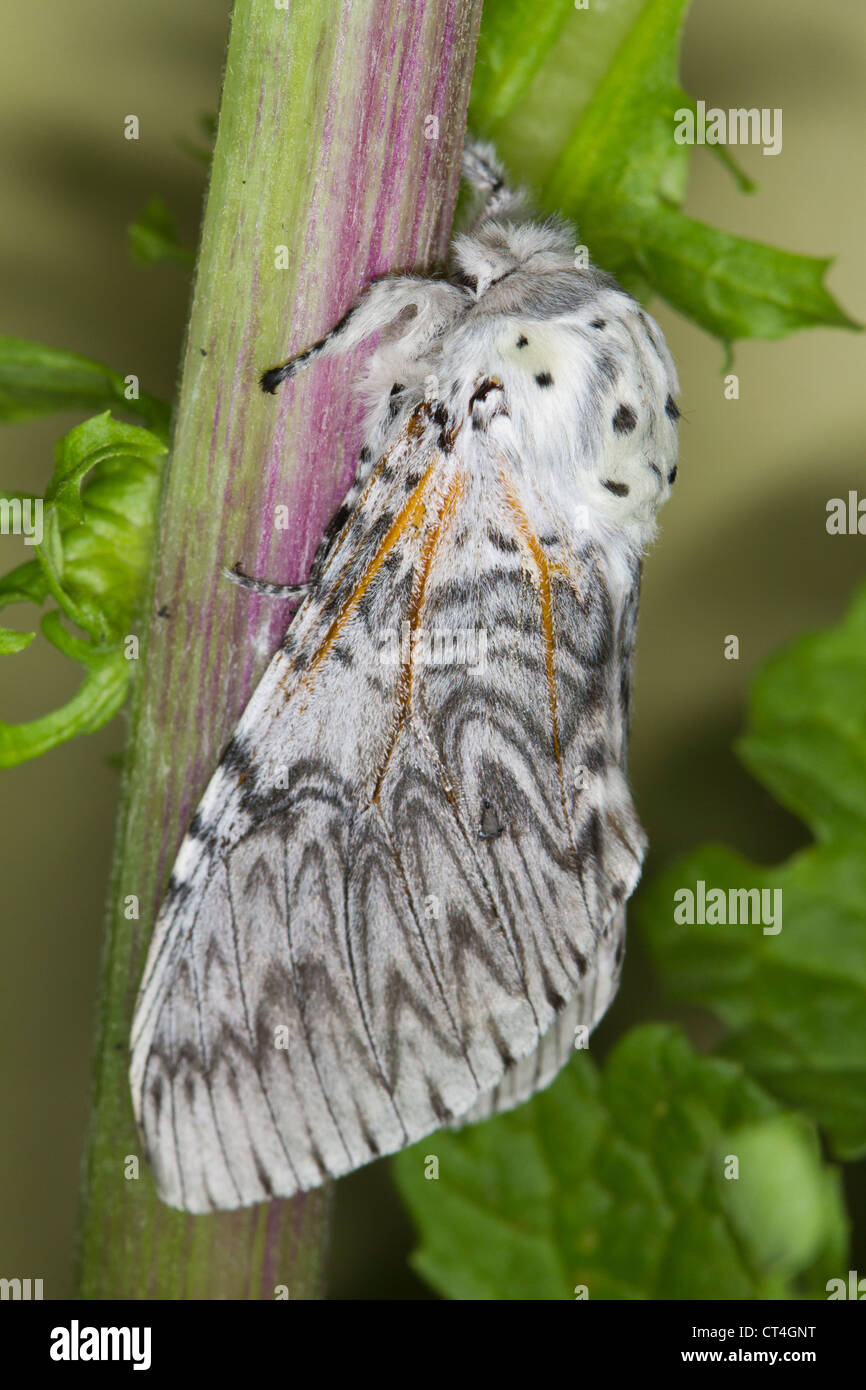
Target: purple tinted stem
x=337, y=158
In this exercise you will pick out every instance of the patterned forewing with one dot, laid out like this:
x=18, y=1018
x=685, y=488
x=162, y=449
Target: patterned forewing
x=407, y=869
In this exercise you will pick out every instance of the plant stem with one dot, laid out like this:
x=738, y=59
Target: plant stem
x=324, y=149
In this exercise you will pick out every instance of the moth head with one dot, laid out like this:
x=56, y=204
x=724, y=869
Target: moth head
x=497, y=249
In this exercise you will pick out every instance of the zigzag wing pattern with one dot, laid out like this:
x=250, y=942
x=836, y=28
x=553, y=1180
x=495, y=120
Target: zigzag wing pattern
x=402, y=891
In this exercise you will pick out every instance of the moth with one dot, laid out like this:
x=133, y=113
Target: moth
x=401, y=898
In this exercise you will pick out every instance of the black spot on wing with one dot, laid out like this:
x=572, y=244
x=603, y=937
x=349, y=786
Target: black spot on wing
x=329, y=535
x=624, y=419
x=500, y=1043
x=618, y=489
x=496, y=538
x=554, y=998
x=394, y=403
x=598, y=323
x=544, y=379
x=672, y=410
x=590, y=841
x=482, y=391
x=491, y=825
x=379, y=529
x=156, y=1093
x=580, y=961
x=606, y=367
x=522, y=341
x=368, y=1138
x=672, y=476
x=320, y=1163
x=338, y=521
x=176, y=892
x=438, y=1106
x=200, y=830
x=595, y=757
x=235, y=757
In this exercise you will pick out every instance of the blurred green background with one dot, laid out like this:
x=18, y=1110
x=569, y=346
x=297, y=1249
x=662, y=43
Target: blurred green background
x=743, y=547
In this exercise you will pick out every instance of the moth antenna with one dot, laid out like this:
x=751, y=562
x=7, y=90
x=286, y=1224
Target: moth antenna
x=485, y=174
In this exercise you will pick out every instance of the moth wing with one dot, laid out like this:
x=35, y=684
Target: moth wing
x=527, y=733
x=289, y=1024
x=568, y=1032
x=351, y=952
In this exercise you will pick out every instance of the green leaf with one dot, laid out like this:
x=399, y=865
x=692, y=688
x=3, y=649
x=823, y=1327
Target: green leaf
x=37, y=380
x=516, y=37
x=98, y=518
x=99, y=535
x=731, y=287
x=784, y=1198
x=584, y=109
x=793, y=998
x=25, y=584
x=807, y=726
x=153, y=239
x=96, y=702
x=563, y=55
x=11, y=641
x=616, y=1181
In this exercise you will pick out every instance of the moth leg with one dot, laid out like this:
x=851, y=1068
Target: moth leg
x=394, y=297
x=323, y=549
x=264, y=586
x=486, y=176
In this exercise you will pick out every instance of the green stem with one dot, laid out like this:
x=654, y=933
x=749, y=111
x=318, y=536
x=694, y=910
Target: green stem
x=339, y=140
